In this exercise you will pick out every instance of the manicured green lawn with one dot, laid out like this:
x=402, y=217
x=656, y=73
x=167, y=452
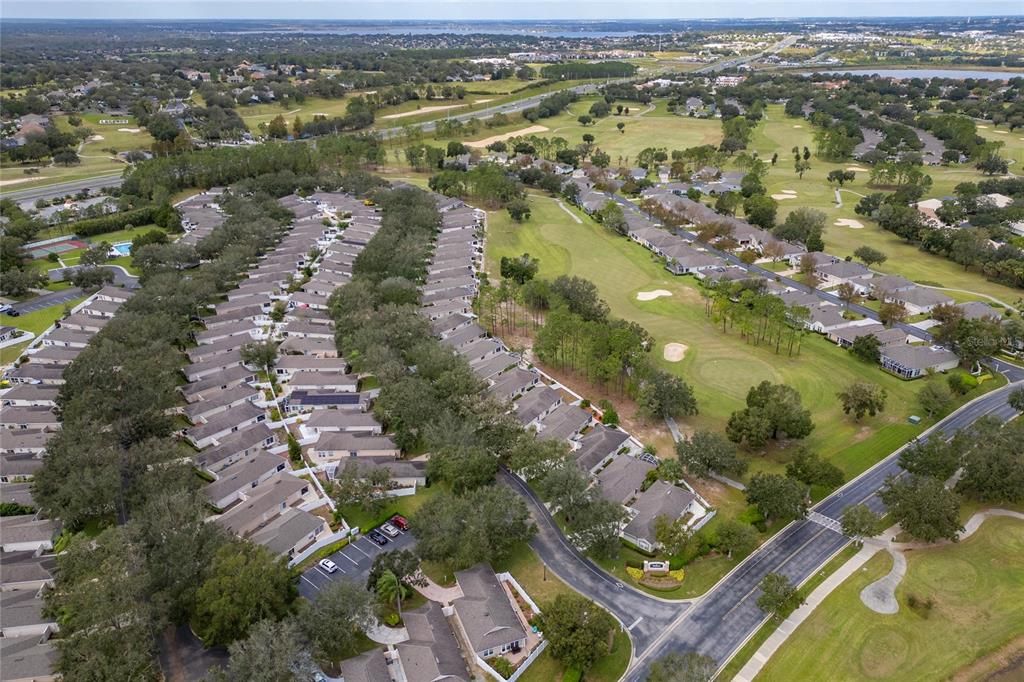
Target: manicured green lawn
x=35, y=322
x=405, y=506
x=977, y=586
x=720, y=367
x=777, y=134
x=765, y=631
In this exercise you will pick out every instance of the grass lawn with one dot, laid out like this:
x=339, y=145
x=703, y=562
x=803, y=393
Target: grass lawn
x=778, y=134
x=115, y=136
x=35, y=322
x=720, y=367
x=977, y=586
x=405, y=506
x=543, y=586
x=765, y=631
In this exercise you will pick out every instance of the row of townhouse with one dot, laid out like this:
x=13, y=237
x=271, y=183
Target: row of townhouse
x=899, y=357
x=549, y=411
x=27, y=539
x=253, y=490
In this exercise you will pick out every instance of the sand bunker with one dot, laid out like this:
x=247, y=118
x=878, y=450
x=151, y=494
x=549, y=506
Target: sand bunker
x=982, y=127
x=501, y=138
x=1001, y=132
x=129, y=130
x=849, y=222
x=651, y=295
x=857, y=169
x=484, y=101
x=674, y=352
x=96, y=138
x=798, y=126
x=424, y=110
x=783, y=196
x=788, y=191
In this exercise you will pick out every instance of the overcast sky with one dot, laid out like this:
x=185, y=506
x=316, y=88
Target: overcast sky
x=494, y=9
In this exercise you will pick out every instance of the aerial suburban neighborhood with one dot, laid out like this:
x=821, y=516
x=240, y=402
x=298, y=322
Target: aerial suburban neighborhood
x=347, y=346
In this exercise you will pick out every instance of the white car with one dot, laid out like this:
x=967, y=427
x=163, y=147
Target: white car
x=390, y=530
x=328, y=565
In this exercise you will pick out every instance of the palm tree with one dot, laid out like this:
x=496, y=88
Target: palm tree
x=390, y=588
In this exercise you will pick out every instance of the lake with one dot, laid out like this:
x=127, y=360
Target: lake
x=957, y=74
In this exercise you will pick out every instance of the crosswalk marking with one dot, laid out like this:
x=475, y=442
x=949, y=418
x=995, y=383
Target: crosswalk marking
x=826, y=521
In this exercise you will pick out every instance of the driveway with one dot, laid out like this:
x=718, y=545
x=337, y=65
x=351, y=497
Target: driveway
x=354, y=561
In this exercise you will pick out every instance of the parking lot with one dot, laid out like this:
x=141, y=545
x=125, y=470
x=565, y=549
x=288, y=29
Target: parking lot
x=353, y=560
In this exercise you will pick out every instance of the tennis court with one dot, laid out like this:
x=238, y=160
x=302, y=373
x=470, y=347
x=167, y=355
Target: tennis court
x=59, y=245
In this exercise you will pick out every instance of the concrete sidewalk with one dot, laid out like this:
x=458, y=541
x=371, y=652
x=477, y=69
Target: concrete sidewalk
x=434, y=592
x=786, y=627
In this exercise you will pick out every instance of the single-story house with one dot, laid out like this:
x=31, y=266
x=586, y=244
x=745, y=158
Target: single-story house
x=264, y=503
x=223, y=424
x=27, y=533
x=21, y=615
x=485, y=613
x=337, y=382
x=27, y=571
x=19, y=468
x=494, y=365
x=328, y=421
x=236, y=446
x=919, y=300
x=28, y=659
x=288, y=365
x=29, y=418
x=564, y=422
x=27, y=442
x=513, y=383
x=845, y=336
x=234, y=480
x=910, y=362
x=842, y=271
x=401, y=472
x=598, y=447
x=306, y=401
x=432, y=652
x=335, y=445
x=537, y=404
x=622, y=479
x=30, y=395
x=291, y=532
x=661, y=499
x=216, y=402
x=215, y=383
x=976, y=310
x=34, y=373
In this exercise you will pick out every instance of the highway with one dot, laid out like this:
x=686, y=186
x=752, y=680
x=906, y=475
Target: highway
x=61, y=189
x=732, y=63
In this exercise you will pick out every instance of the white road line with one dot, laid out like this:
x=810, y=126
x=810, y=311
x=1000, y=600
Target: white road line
x=354, y=562
x=311, y=583
x=635, y=623
x=356, y=547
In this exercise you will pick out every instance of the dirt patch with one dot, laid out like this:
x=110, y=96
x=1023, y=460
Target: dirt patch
x=4, y=183
x=651, y=295
x=1005, y=664
x=849, y=222
x=484, y=101
x=674, y=352
x=424, y=110
x=501, y=138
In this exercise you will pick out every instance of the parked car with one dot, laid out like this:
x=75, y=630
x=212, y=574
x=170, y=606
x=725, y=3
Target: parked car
x=378, y=537
x=5, y=308
x=390, y=530
x=400, y=522
x=328, y=565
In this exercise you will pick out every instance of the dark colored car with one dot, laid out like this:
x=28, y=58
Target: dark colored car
x=400, y=522
x=378, y=537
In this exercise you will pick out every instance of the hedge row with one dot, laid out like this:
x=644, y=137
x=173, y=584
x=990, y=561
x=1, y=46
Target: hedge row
x=163, y=215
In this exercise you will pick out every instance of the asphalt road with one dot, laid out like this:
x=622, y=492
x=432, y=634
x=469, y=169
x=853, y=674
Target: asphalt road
x=121, y=276
x=48, y=300
x=731, y=63
x=354, y=562
x=62, y=188
x=507, y=108
x=641, y=614
x=722, y=620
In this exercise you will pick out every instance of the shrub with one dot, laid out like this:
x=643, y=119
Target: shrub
x=502, y=666
x=634, y=563
x=675, y=563
x=676, y=575
x=572, y=675
x=635, y=573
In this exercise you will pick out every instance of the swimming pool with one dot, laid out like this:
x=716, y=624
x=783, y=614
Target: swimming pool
x=123, y=249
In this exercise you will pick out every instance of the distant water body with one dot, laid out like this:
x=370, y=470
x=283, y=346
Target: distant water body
x=924, y=73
